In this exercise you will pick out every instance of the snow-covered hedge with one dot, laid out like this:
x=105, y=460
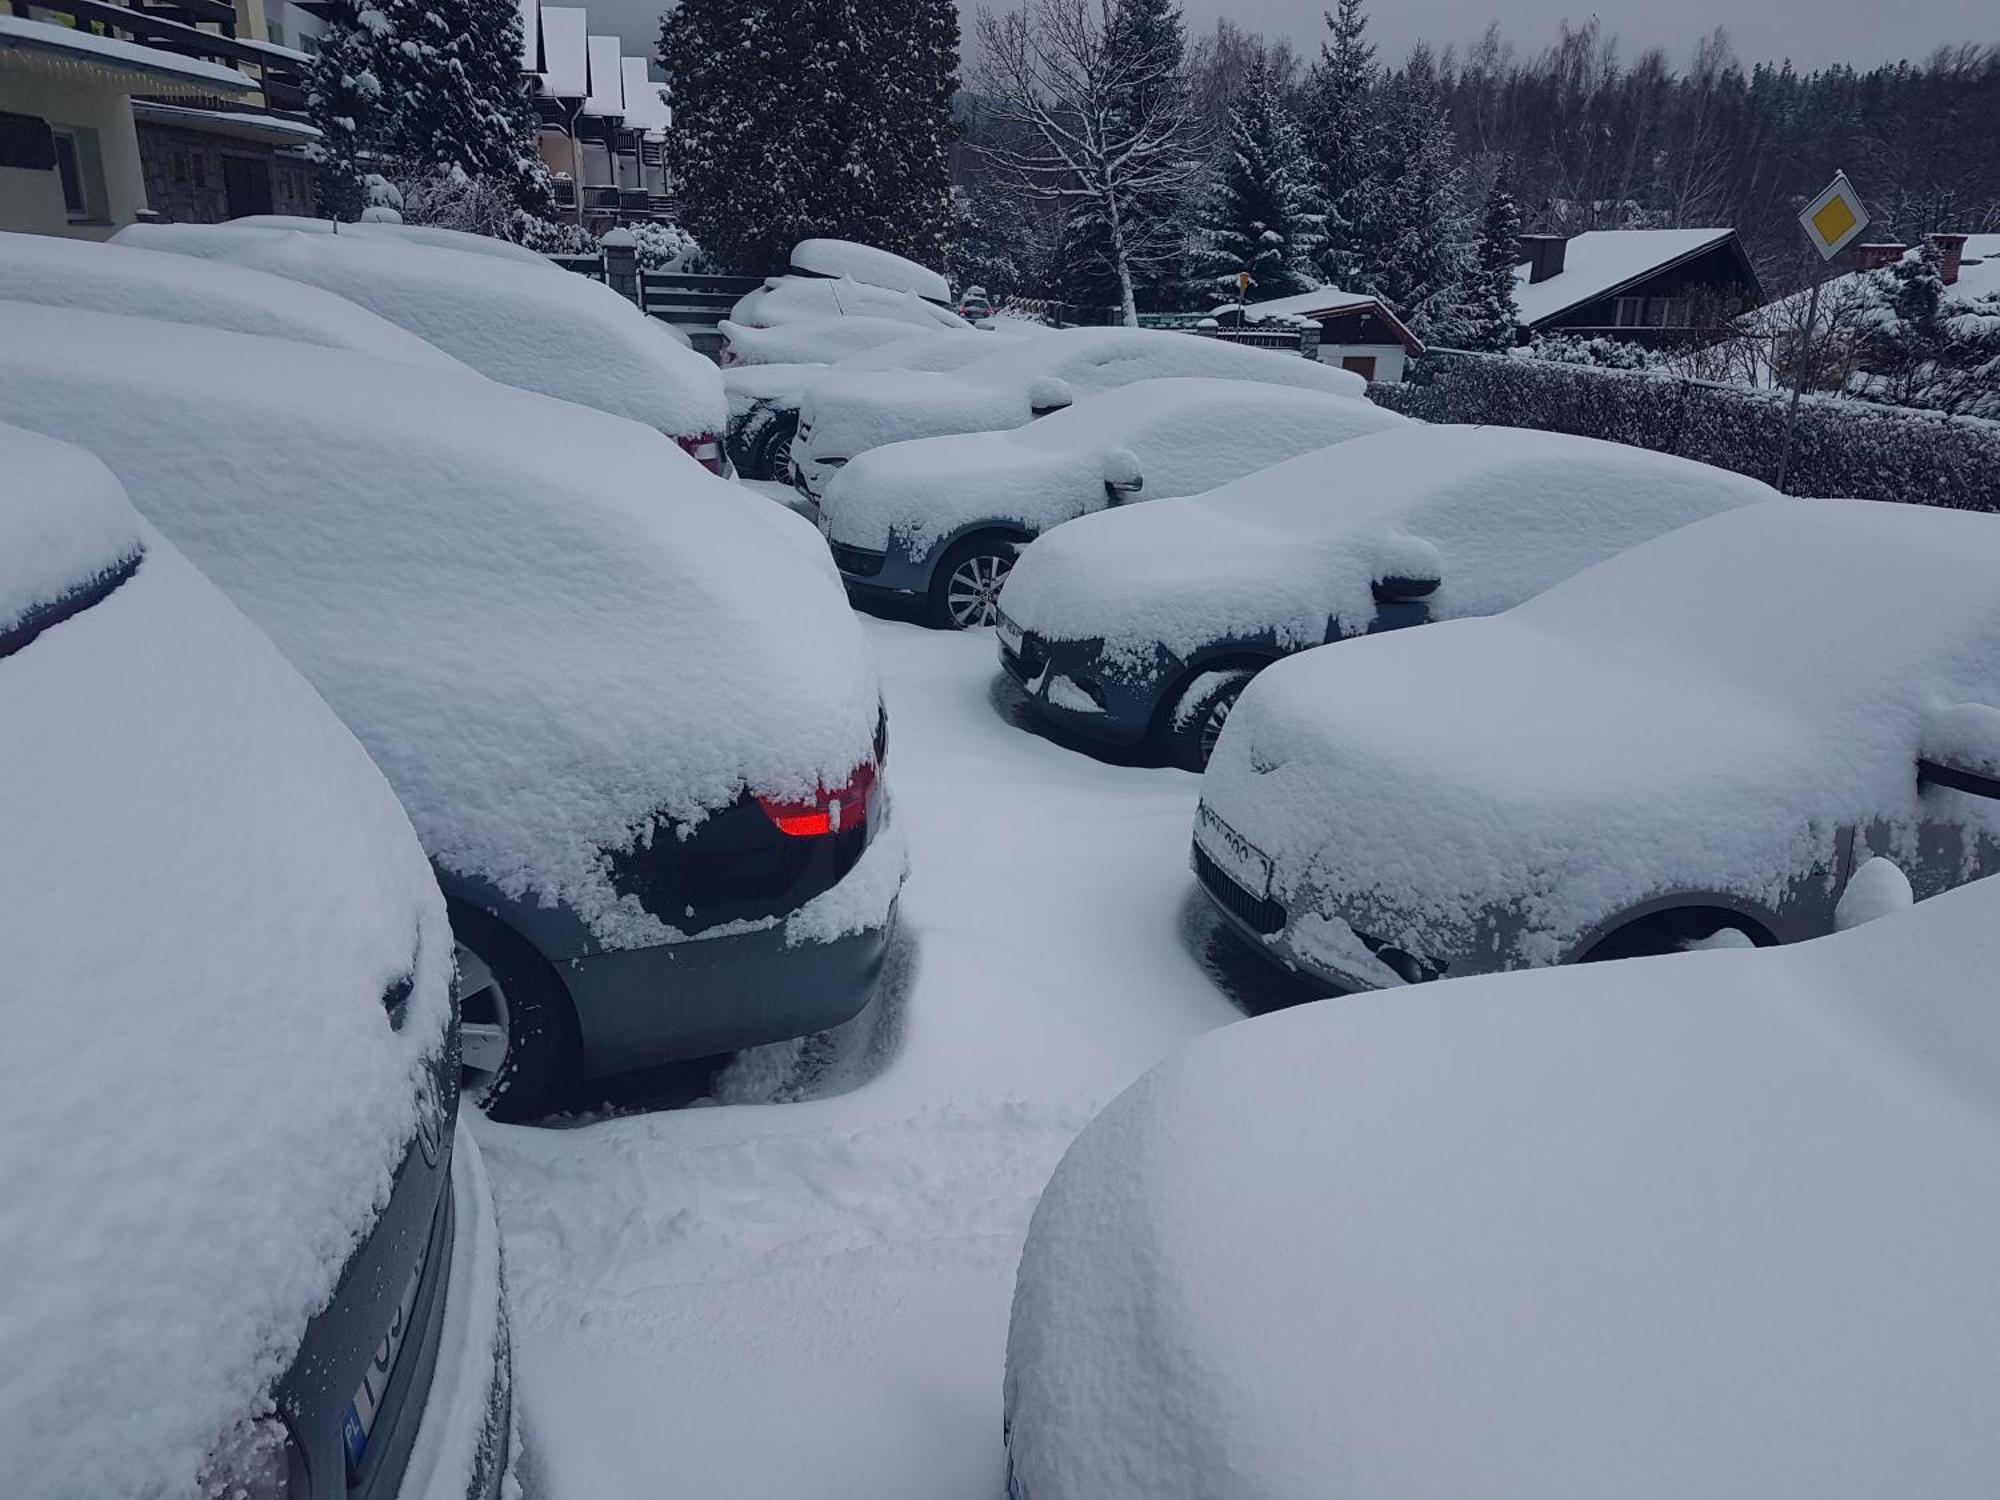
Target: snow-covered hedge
x=1844, y=448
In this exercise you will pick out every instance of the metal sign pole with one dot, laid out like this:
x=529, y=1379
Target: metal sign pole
x=1832, y=221
x=1804, y=357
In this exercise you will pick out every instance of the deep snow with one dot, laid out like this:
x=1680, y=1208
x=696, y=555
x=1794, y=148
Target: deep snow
x=810, y=1299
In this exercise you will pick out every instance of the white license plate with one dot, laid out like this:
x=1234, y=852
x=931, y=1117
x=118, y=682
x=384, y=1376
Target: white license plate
x=362, y=1411
x=1242, y=860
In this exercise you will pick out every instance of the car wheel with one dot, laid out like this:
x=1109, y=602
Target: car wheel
x=1196, y=722
x=771, y=447
x=966, y=584
x=1679, y=931
x=516, y=1032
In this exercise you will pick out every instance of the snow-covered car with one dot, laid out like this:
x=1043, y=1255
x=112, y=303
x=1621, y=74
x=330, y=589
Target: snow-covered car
x=626, y=705
x=1141, y=626
x=120, y=279
x=811, y=341
x=562, y=335
x=842, y=279
x=871, y=265
x=1701, y=740
x=248, y=1251
x=941, y=520
x=764, y=399
x=843, y=418
x=1719, y=1225
x=411, y=234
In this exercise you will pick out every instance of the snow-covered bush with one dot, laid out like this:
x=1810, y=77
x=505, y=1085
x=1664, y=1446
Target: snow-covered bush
x=666, y=247
x=1605, y=354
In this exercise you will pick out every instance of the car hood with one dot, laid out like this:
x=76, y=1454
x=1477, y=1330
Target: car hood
x=847, y=414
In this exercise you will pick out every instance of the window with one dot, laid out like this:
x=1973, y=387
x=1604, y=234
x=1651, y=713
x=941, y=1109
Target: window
x=81, y=168
x=1666, y=312
x=1631, y=313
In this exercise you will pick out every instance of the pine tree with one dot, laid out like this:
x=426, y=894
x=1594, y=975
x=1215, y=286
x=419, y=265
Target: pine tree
x=1263, y=221
x=1341, y=136
x=344, y=99
x=1410, y=237
x=1491, y=314
x=461, y=107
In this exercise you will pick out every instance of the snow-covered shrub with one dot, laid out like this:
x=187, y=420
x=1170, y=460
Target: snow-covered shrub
x=666, y=247
x=1605, y=354
x=552, y=236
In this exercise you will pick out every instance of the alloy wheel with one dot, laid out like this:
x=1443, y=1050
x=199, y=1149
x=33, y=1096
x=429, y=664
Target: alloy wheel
x=973, y=592
x=483, y=1028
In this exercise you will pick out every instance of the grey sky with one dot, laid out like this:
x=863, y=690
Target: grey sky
x=1810, y=32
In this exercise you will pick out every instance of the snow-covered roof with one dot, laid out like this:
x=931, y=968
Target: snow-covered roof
x=548, y=625
x=1718, y=1224
x=1599, y=262
x=1318, y=302
x=531, y=326
x=531, y=34
x=273, y=129
x=118, y=278
x=209, y=890
x=274, y=51
x=645, y=108
x=565, y=51
x=161, y=72
x=607, y=79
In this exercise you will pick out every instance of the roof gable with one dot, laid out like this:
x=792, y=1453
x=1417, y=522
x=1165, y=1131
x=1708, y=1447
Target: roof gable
x=1602, y=262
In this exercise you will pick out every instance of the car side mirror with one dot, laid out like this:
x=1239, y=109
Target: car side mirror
x=1407, y=568
x=1398, y=589
x=1959, y=747
x=1121, y=475
x=1046, y=394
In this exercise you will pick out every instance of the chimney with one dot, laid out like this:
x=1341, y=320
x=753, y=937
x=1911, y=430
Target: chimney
x=1878, y=256
x=1951, y=253
x=1545, y=255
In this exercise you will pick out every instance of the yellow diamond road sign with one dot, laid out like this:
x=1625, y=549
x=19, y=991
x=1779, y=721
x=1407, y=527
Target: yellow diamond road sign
x=1835, y=217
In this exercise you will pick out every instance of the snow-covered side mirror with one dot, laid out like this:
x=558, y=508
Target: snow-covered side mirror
x=1407, y=568
x=1121, y=475
x=1959, y=747
x=1878, y=889
x=1046, y=393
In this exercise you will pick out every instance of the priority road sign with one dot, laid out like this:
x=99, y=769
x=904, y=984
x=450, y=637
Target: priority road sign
x=1833, y=219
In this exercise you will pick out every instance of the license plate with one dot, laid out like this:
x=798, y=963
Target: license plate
x=1245, y=863
x=366, y=1406
x=1010, y=634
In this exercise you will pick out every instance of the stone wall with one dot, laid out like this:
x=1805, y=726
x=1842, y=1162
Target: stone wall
x=187, y=182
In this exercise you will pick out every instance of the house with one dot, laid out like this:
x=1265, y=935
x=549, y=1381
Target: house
x=1356, y=331
x=603, y=120
x=1654, y=287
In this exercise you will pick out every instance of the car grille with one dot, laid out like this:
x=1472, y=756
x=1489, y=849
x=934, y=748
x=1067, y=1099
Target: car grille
x=1263, y=916
x=857, y=561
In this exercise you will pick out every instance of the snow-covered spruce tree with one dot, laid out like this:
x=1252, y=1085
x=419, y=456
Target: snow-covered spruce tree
x=344, y=99
x=1263, y=220
x=1341, y=136
x=1491, y=315
x=1412, y=241
x=732, y=149
x=895, y=174
x=1088, y=126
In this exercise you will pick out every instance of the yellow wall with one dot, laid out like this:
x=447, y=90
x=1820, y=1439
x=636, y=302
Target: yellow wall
x=32, y=201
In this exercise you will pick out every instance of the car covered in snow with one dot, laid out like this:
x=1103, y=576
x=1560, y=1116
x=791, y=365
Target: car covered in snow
x=841, y=419
x=409, y=234
x=1716, y=1225
x=626, y=705
x=120, y=279
x=843, y=279
x=1702, y=740
x=562, y=335
x=1140, y=626
x=811, y=341
x=941, y=520
x=249, y=1251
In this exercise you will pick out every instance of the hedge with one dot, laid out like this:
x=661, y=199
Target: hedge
x=1844, y=448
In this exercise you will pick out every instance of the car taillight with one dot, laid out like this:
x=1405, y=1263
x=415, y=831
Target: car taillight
x=827, y=812
x=705, y=450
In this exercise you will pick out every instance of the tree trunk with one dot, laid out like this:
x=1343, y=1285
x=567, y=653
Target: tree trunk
x=1128, y=305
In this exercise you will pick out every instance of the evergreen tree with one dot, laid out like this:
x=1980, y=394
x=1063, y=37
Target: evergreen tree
x=344, y=99
x=1491, y=314
x=1263, y=220
x=453, y=71
x=1341, y=137
x=1410, y=237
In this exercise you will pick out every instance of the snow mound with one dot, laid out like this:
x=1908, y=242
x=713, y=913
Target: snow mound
x=546, y=624
x=1503, y=512
x=120, y=279
x=409, y=234
x=793, y=299
x=1717, y=1224
x=1702, y=713
x=1182, y=435
x=809, y=340
x=564, y=336
x=867, y=264
x=209, y=889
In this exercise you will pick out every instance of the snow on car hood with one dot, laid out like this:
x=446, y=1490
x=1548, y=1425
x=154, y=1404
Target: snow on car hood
x=564, y=336
x=208, y=890
x=810, y=340
x=121, y=279
x=1716, y=1224
x=1179, y=435
x=1505, y=512
x=1700, y=713
x=545, y=623
x=847, y=413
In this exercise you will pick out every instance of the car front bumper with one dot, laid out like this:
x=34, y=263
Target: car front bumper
x=866, y=571
x=1066, y=684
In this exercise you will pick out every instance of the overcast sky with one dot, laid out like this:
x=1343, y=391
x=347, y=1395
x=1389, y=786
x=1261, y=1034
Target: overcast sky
x=1810, y=32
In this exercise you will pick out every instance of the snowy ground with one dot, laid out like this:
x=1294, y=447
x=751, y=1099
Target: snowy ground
x=807, y=1295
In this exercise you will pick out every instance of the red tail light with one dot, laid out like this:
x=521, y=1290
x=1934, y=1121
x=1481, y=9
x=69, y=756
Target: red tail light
x=828, y=812
x=705, y=450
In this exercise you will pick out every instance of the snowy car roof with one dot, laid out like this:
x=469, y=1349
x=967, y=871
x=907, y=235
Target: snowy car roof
x=1716, y=1224
x=547, y=624
x=938, y=352
x=209, y=892
x=1183, y=434
x=1500, y=512
x=810, y=340
x=1599, y=262
x=869, y=265
x=1101, y=359
x=1700, y=713
x=123, y=279
x=790, y=299
x=415, y=234
x=556, y=333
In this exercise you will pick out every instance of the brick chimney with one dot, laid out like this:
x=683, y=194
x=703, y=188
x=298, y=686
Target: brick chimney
x=1545, y=254
x=1878, y=256
x=1951, y=252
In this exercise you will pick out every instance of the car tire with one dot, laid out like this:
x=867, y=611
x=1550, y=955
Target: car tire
x=1199, y=714
x=517, y=1032
x=965, y=585
x=770, y=445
